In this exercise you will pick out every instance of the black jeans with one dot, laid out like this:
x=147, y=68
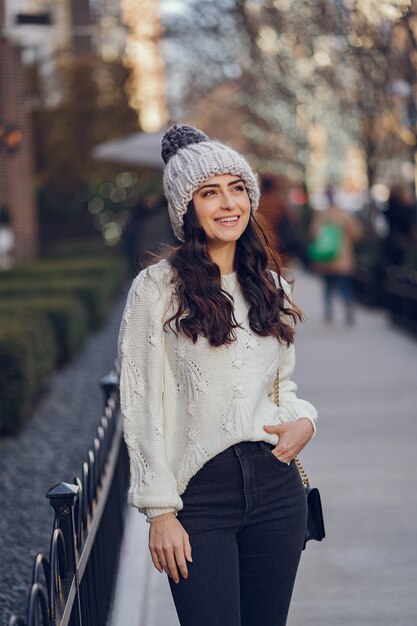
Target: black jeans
x=245, y=513
x=333, y=283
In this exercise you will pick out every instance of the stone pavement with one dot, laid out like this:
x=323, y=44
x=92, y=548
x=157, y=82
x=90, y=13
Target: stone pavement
x=363, y=381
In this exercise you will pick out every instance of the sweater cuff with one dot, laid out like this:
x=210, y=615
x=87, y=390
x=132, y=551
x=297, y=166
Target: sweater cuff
x=294, y=409
x=151, y=513
x=313, y=423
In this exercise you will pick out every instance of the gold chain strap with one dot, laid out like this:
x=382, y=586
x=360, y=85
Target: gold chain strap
x=301, y=469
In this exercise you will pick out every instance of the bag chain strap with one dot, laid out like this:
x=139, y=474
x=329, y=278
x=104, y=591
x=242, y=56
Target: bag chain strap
x=301, y=469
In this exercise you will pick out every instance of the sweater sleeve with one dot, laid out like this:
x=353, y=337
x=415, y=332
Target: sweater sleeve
x=141, y=346
x=291, y=407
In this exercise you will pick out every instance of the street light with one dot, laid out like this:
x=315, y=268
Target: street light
x=10, y=137
x=13, y=139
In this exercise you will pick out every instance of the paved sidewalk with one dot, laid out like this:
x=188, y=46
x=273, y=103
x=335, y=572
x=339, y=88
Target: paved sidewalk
x=363, y=381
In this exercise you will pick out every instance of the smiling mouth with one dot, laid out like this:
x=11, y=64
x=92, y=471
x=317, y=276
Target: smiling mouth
x=228, y=221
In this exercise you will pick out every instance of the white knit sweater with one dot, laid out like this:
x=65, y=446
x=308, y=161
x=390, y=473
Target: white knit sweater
x=183, y=403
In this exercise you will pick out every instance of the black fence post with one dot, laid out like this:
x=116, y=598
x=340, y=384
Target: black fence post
x=73, y=587
x=62, y=498
x=109, y=385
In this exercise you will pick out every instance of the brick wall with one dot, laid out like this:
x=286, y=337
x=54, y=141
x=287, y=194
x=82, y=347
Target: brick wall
x=16, y=169
x=83, y=23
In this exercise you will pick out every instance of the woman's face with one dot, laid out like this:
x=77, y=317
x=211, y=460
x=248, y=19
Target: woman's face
x=222, y=207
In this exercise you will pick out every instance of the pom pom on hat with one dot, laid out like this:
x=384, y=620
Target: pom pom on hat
x=190, y=158
x=178, y=137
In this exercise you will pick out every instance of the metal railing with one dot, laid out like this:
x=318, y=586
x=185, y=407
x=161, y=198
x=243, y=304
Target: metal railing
x=392, y=287
x=401, y=296
x=74, y=585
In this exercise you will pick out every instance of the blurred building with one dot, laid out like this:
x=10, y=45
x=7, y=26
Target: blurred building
x=42, y=33
x=216, y=113
x=52, y=32
x=111, y=38
x=147, y=87
x=39, y=38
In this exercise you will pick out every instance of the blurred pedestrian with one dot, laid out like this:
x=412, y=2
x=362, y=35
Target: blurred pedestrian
x=146, y=229
x=286, y=224
x=211, y=454
x=334, y=233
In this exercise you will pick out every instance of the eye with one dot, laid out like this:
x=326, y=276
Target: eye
x=239, y=187
x=206, y=193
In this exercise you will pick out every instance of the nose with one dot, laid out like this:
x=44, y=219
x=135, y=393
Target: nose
x=227, y=201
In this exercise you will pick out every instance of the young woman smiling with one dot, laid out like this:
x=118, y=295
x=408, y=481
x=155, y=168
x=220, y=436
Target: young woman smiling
x=211, y=455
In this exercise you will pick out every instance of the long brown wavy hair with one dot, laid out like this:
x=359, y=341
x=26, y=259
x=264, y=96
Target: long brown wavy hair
x=207, y=310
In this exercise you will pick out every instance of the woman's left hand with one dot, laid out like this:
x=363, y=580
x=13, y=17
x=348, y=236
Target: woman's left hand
x=293, y=437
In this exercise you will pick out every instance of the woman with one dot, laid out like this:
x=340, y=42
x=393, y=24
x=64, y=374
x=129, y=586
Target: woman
x=211, y=454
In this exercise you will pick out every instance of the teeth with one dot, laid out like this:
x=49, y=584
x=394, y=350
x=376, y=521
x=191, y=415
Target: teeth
x=227, y=219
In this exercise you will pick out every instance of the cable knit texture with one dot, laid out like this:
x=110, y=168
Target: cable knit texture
x=192, y=158
x=184, y=403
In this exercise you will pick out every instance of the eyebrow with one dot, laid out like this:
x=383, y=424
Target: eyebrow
x=232, y=182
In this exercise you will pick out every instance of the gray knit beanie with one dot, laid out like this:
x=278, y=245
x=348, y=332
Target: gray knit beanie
x=190, y=158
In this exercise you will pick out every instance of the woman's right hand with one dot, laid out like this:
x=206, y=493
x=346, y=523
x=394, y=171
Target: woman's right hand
x=169, y=545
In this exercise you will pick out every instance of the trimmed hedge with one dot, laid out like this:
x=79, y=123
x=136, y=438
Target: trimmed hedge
x=94, y=295
x=27, y=357
x=79, y=248
x=46, y=309
x=67, y=317
x=111, y=270
x=93, y=281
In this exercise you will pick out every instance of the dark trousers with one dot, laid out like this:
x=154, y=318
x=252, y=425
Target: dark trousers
x=245, y=513
x=336, y=283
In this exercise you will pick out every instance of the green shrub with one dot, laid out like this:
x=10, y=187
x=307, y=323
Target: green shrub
x=111, y=270
x=80, y=247
x=27, y=356
x=46, y=308
x=67, y=316
x=94, y=295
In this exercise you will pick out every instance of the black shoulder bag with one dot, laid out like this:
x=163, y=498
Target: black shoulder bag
x=315, y=522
